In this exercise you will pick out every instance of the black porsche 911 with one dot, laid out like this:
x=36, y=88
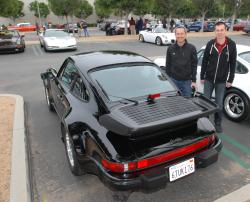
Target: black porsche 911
x=123, y=120
x=11, y=41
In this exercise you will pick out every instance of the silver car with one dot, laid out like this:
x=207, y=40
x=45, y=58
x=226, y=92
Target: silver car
x=57, y=39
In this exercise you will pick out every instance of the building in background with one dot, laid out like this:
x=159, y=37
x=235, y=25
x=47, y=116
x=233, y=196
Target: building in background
x=29, y=16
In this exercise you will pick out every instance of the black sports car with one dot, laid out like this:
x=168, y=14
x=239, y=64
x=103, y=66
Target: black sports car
x=124, y=120
x=11, y=41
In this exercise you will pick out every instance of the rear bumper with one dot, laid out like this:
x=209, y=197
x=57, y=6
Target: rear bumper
x=11, y=49
x=158, y=177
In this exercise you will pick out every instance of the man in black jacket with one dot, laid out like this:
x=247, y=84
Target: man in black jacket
x=181, y=62
x=218, y=68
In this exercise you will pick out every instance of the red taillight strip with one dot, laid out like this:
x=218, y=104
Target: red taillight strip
x=145, y=163
x=172, y=154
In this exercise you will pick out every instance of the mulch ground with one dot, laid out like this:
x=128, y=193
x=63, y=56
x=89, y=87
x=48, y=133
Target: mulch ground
x=7, y=107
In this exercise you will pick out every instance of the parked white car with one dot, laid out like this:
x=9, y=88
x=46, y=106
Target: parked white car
x=157, y=35
x=57, y=39
x=237, y=98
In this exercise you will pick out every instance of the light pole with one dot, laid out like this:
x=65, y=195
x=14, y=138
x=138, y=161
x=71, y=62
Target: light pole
x=38, y=11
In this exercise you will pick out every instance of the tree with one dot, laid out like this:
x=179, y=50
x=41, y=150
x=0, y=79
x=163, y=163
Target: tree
x=43, y=8
x=84, y=10
x=234, y=7
x=204, y=6
x=102, y=10
x=123, y=8
x=11, y=9
x=17, y=10
x=187, y=9
x=64, y=7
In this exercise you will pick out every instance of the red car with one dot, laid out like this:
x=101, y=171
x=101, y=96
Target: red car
x=23, y=27
x=240, y=26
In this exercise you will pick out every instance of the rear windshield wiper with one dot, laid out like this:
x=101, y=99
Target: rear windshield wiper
x=134, y=101
x=107, y=95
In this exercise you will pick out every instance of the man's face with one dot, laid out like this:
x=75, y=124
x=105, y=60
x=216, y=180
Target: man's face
x=180, y=35
x=220, y=31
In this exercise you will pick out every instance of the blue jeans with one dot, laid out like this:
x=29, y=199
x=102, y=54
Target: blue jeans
x=184, y=87
x=85, y=31
x=220, y=89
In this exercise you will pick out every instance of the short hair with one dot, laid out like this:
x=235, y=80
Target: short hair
x=221, y=23
x=180, y=27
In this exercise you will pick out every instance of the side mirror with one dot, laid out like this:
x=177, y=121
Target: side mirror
x=50, y=73
x=53, y=71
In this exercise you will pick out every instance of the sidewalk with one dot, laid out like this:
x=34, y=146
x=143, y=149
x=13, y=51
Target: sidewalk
x=104, y=38
x=14, y=167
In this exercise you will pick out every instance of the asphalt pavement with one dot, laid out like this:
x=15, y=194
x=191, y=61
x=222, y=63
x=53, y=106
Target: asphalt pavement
x=51, y=177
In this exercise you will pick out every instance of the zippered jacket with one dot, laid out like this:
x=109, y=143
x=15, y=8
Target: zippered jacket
x=181, y=62
x=219, y=68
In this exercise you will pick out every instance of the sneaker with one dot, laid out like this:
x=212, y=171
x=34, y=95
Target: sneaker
x=218, y=128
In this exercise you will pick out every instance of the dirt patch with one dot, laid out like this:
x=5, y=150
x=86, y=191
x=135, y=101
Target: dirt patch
x=7, y=107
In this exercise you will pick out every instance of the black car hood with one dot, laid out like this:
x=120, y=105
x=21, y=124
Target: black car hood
x=138, y=120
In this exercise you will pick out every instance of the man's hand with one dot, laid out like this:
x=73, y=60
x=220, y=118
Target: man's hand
x=193, y=85
x=228, y=85
x=202, y=81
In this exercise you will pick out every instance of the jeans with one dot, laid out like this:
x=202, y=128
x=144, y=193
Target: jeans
x=220, y=89
x=184, y=87
x=85, y=31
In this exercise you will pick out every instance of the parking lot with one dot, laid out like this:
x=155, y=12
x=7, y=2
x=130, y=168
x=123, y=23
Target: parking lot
x=51, y=177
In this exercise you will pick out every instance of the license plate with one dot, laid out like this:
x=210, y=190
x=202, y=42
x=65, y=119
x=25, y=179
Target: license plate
x=181, y=169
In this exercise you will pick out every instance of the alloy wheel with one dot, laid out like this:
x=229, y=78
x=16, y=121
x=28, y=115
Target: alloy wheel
x=234, y=105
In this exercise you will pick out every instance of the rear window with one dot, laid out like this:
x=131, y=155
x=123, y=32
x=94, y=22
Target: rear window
x=131, y=81
x=245, y=56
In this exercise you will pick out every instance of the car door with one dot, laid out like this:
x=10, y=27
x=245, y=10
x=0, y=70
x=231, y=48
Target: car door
x=152, y=36
x=147, y=35
x=61, y=86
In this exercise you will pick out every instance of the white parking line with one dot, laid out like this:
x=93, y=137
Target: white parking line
x=39, y=50
x=34, y=50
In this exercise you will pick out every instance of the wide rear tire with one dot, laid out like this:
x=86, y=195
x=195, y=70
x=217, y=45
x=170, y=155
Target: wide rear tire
x=71, y=154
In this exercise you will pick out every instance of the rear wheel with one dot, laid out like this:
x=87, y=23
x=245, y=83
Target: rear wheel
x=236, y=105
x=158, y=41
x=71, y=154
x=141, y=38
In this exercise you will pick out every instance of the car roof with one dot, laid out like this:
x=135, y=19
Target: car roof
x=23, y=23
x=90, y=60
x=240, y=48
x=54, y=30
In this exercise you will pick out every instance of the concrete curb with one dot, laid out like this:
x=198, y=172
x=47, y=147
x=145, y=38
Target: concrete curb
x=240, y=195
x=104, y=38
x=19, y=182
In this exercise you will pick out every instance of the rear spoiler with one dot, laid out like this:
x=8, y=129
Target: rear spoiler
x=136, y=120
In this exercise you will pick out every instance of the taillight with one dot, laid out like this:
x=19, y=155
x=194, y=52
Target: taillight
x=162, y=158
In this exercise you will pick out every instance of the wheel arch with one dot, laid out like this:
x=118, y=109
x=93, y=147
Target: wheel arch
x=237, y=89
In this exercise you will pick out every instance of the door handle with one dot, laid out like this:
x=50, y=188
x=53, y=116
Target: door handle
x=60, y=97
